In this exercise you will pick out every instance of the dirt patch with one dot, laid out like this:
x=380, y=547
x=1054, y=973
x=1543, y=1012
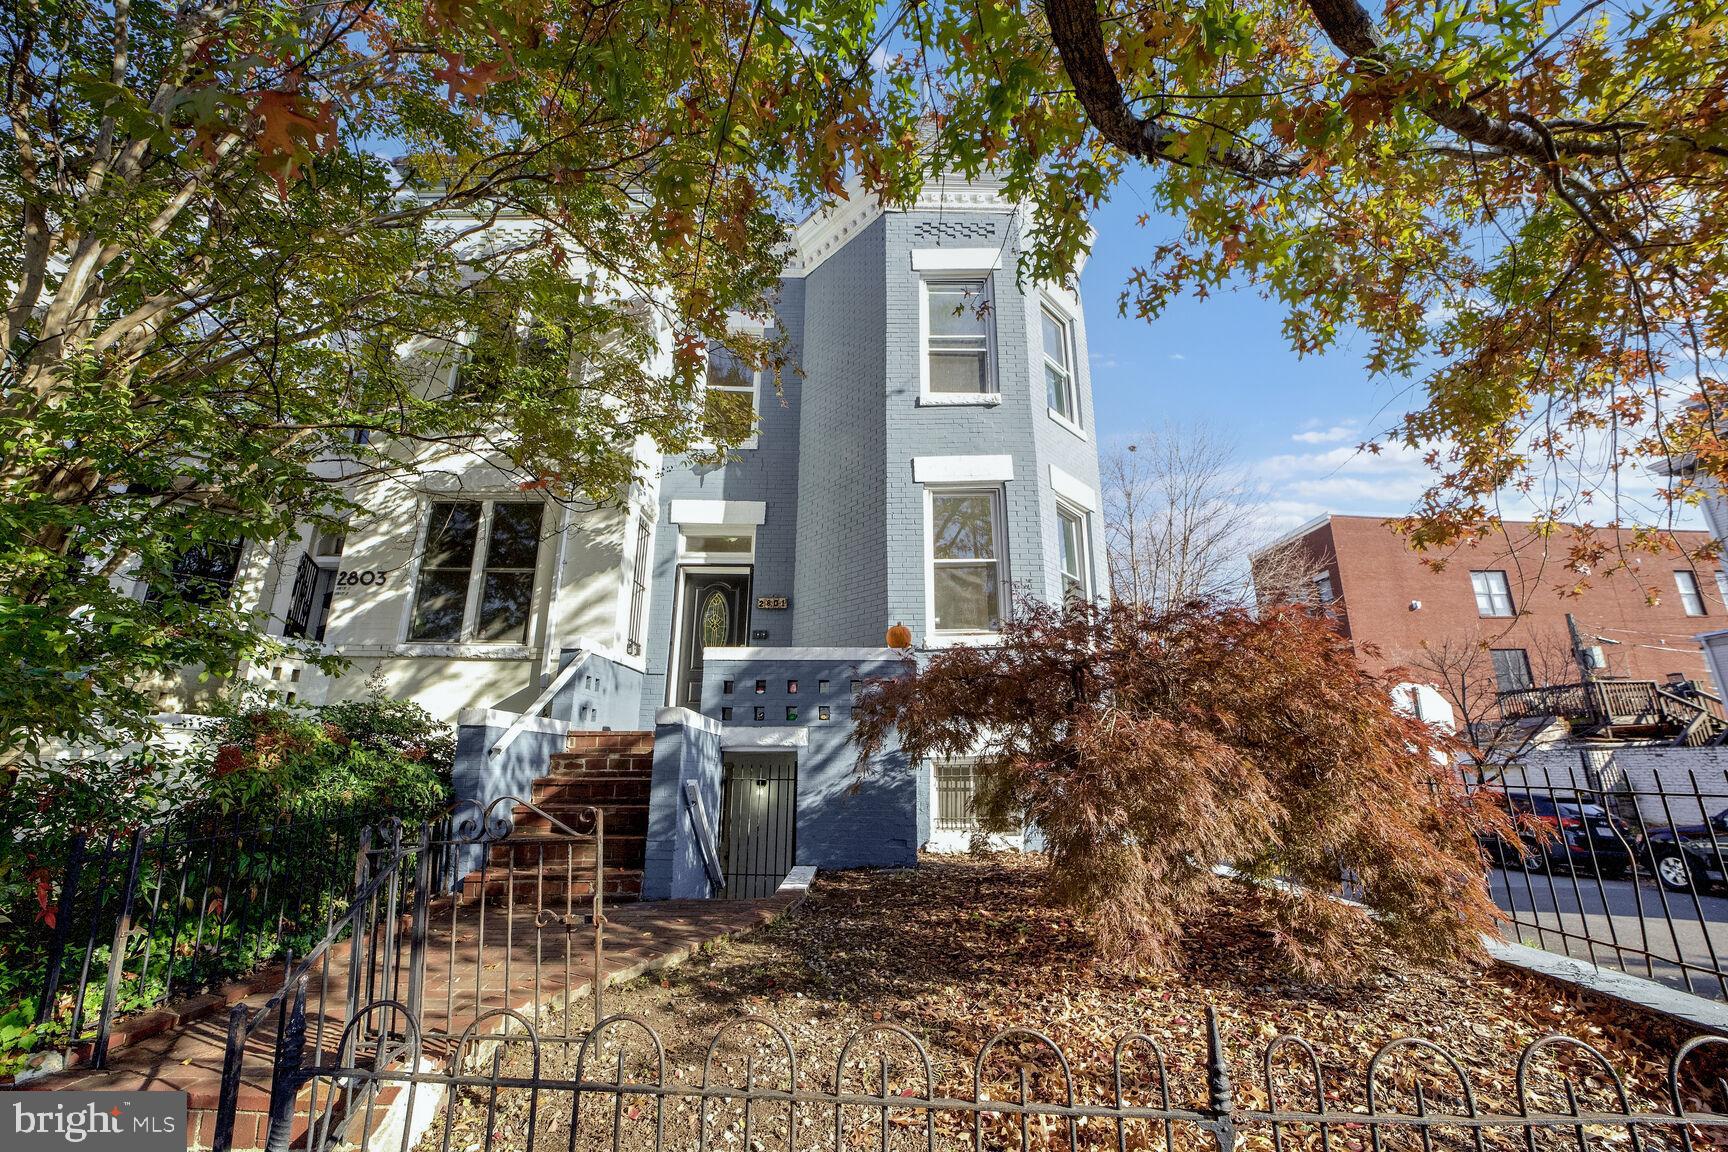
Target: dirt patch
x=962, y=949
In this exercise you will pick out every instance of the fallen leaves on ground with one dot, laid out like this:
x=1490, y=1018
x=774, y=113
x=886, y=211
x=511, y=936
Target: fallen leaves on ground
x=961, y=950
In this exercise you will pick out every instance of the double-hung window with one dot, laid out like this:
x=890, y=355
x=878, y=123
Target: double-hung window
x=1059, y=389
x=957, y=323
x=1511, y=669
x=1690, y=598
x=966, y=559
x=1493, y=594
x=476, y=580
x=729, y=403
x=1071, y=553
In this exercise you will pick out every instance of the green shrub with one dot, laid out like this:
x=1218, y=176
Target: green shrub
x=372, y=757
x=269, y=804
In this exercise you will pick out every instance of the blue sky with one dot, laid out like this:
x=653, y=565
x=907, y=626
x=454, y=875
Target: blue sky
x=1224, y=362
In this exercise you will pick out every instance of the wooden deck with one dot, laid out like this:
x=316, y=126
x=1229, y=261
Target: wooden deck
x=1623, y=708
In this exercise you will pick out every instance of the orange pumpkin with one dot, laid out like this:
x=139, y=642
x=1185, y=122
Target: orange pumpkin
x=899, y=636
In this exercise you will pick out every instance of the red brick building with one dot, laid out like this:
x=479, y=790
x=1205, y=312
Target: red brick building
x=1495, y=612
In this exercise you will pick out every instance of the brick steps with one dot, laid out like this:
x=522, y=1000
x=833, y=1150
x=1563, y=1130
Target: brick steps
x=611, y=771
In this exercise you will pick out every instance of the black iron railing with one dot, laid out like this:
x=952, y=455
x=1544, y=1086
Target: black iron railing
x=622, y=1089
x=159, y=914
x=1624, y=870
x=497, y=903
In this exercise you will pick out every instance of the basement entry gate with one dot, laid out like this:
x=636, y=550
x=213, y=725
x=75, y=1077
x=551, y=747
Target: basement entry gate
x=758, y=822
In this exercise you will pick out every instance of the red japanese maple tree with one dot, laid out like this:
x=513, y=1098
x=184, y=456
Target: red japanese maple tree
x=1149, y=748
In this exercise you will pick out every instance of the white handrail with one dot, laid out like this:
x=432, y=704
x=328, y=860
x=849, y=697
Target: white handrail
x=565, y=675
x=704, y=834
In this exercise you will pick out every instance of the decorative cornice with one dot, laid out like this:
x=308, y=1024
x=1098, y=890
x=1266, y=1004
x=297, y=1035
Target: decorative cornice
x=821, y=234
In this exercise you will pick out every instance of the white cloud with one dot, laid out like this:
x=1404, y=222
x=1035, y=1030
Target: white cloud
x=1330, y=435
x=1177, y=356
x=1343, y=479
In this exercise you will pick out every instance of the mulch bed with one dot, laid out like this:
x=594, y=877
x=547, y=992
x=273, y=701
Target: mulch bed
x=963, y=948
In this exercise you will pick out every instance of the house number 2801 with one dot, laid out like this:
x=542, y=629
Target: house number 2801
x=351, y=578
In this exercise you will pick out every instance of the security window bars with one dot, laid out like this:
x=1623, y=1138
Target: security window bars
x=957, y=335
x=1071, y=549
x=1059, y=367
x=309, y=602
x=1511, y=669
x=1690, y=598
x=955, y=792
x=202, y=574
x=477, y=572
x=730, y=400
x=638, y=589
x=1493, y=594
x=966, y=556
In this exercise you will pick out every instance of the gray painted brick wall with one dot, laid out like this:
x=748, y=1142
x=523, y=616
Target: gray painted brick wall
x=849, y=816
x=840, y=592
x=845, y=534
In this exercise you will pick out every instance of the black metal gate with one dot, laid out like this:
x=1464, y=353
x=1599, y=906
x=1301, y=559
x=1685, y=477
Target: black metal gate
x=758, y=822
x=457, y=934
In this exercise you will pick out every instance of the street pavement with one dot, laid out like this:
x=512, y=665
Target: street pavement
x=1637, y=926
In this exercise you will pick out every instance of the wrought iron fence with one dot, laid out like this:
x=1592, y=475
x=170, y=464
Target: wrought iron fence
x=619, y=1089
x=444, y=920
x=1623, y=869
x=162, y=913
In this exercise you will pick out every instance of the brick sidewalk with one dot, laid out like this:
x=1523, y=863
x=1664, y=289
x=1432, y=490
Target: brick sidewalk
x=639, y=938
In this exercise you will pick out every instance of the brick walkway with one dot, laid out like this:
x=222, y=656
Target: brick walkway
x=639, y=938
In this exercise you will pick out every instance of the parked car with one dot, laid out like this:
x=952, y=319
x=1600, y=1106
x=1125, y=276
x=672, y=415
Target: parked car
x=1578, y=836
x=1689, y=857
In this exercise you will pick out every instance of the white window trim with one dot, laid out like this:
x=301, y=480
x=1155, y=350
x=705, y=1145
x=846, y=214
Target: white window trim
x=1681, y=576
x=1088, y=577
x=754, y=438
x=1476, y=597
x=934, y=638
x=993, y=394
x=981, y=470
x=476, y=565
x=1072, y=489
x=981, y=261
x=706, y=559
x=731, y=514
x=1077, y=423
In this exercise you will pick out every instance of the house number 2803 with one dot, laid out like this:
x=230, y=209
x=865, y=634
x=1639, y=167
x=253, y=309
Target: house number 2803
x=351, y=578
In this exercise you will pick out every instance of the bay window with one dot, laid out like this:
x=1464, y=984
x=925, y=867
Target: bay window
x=957, y=325
x=966, y=560
x=1060, y=392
